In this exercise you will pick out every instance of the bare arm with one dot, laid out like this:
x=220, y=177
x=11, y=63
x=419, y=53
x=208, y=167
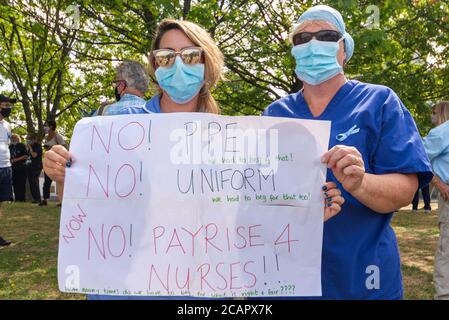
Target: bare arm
x=442, y=187
x=382, y=193
x=387, y=192
x=19, y=159
x=60, y=190
x=55, y=161
x=30, y=150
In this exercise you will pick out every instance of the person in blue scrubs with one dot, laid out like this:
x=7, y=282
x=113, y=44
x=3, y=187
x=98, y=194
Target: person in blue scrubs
x=376, y=157
x=437, y=147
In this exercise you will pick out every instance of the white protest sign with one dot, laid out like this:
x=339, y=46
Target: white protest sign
x=194, y=204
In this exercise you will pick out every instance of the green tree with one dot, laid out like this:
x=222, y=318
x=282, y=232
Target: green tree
x=38, y=56
x=405, y=49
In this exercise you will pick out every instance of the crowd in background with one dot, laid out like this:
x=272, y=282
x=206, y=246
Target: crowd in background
x=26, y=164
x=21, y=161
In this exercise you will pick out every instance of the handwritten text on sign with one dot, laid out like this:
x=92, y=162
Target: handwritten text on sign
x=195, y=205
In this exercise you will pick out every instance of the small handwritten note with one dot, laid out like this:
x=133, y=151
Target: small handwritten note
x=193, y=204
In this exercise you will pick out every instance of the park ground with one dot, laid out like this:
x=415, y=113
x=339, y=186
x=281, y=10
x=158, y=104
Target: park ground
x=28, y=267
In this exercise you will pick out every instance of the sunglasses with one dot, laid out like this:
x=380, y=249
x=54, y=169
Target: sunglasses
x=167, y=57
x=322, y=35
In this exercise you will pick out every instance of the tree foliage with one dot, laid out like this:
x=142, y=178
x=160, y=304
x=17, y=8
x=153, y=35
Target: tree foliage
x=61, y=68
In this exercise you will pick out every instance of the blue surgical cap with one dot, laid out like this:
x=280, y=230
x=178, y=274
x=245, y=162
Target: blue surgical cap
x=328, y=14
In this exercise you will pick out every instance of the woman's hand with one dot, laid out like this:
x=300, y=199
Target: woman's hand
x=332, y=200
x=444, y=190
x=55, y=162
x=347, y=166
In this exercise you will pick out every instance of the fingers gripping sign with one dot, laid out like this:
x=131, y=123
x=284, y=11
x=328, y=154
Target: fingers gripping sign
x=55, y=162
x=333, y=200
x=347, y=166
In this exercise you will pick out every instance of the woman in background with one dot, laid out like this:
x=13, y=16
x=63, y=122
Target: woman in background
x=437, y=148
x=52, y=139
x=34, y=166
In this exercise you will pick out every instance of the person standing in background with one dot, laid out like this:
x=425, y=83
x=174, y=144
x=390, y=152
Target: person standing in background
x=130, y=85
x=426, y=197
x=52, y=139
x=19, y=156
x=5, y=163
x=34, y=166
x=437, y=148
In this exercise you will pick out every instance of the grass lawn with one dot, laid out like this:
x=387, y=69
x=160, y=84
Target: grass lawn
x=28, y=266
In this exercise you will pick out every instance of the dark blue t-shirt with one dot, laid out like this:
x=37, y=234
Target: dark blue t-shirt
x=360, y=252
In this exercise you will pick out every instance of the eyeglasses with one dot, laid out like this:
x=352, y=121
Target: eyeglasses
x=166, y=57
x=322, y=35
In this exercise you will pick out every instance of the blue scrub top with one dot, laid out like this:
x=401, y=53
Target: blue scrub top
x=358, y=243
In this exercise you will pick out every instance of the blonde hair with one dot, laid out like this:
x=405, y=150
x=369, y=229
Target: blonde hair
x=441, y=110
x=213, y=58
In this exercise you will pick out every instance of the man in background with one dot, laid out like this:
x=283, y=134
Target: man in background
x=130, y=85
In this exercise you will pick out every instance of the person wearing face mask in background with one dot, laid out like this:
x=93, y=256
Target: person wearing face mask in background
x=34, y=149
x=437, y=147
x=130, y=85
x=376, y=158
x=5, y=163
x=52, y=139
x=19, y=157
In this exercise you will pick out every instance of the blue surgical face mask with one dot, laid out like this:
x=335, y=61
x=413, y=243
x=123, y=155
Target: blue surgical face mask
x=182, y=82
x=316, y=61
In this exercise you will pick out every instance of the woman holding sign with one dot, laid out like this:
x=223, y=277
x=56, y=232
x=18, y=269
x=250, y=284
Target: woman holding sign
x=186, y=63
x=376, y=157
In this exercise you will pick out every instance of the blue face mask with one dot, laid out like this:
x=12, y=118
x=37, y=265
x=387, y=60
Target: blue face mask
x=181, y=82
x=316, y=61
